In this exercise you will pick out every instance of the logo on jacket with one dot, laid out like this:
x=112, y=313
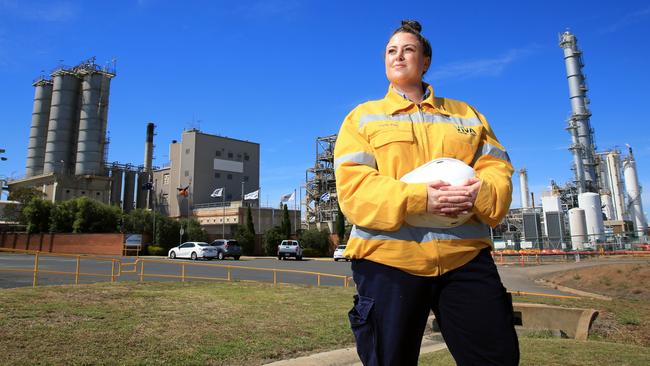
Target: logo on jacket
x=465, y=130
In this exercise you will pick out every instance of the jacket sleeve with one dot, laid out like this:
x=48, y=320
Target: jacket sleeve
x=367, y=198
x=493, y=167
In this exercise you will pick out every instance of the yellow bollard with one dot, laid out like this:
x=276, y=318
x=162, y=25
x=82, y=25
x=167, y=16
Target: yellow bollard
x=183, y=272
x=113, y=270
x=318, y=277
x=35, y=269
x=275, y=278
x=229, y=275
x=76, y=273
x=142, y=272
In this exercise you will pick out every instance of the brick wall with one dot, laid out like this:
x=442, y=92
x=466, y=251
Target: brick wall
x=98, y=244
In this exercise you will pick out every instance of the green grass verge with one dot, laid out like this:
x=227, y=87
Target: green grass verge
x=562, y=352
x=172, y=323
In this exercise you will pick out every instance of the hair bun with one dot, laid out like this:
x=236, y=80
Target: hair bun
x=413, y=24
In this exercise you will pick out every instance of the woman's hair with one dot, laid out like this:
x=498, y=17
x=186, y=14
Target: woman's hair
x=414, y=27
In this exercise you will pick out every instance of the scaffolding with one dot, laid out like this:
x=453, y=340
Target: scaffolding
x=321, y=204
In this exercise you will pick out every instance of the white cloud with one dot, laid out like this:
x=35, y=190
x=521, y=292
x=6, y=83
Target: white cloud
x=628, y=19
x=478, y=68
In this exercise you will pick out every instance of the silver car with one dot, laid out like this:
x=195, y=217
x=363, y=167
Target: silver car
x=193, y=250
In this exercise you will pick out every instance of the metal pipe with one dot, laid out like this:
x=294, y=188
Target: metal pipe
x=523, y=185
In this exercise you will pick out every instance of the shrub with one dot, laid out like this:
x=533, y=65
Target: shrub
x=156, y=250
x=316, y=240
x=246, y=240
x=37, y=215
x=272, y=239
x=311, y=252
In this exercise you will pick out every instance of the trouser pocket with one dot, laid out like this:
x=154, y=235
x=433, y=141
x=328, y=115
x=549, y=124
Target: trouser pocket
x=362, y=324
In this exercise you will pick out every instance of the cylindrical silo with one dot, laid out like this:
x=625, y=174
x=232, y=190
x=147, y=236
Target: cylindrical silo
x=90, y=139
x=129, y=190
x=578, y=228
x=634, y=195
x=615, y=184
x=608, y=206
x=523, y=185
x=141, y=193
x=580, y=112
x=38, y=131
x=116, y=186
x=590, y=202
x=63, y=119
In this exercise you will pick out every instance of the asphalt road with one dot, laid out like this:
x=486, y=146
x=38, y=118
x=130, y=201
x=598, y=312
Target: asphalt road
x=514, y=277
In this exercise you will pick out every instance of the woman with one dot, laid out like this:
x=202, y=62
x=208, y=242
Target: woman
x=404, y=272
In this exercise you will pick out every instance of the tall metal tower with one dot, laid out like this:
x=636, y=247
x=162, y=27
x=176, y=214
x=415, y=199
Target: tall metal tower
x=321, y=204
x=582, y=147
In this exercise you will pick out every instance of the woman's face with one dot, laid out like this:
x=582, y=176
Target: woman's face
x=405, y=60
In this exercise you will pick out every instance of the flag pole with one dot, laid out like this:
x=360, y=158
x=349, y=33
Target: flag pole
x=295, y=222
x=259, y=210
x=223, y=218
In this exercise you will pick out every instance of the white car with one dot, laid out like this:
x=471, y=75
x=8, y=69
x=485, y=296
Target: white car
x=193, y=250
x=338, y=253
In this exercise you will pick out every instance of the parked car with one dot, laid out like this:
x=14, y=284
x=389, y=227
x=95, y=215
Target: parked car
x=227, y=248
x=338, y=253
x=193, y=250
x=289, y=248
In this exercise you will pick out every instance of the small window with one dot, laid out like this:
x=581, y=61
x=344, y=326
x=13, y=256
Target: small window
x=247, y=157
x=187, y=151
x=67, y=191
x=230, y=155
x=97, y=193
x=217, y=175
x=246, y=178
x=217, y=153
x=187, y=173
x=229, y=177
x=83, y=192
x=166, y=178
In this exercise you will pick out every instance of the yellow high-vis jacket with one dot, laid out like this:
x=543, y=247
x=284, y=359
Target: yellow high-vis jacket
x=382, y=140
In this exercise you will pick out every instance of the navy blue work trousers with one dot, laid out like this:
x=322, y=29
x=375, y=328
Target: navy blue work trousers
x=472, y=308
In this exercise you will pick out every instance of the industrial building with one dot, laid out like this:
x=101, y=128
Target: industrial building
x=207, y=178
x=68, y=146
x=321, y=202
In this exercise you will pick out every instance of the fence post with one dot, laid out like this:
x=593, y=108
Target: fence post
x=275, y=278
x=76, y=272
x=113, y=270
x=35, y=269
x=229, y=275
x=141, y=271
x=183, y=272
x=318, y=277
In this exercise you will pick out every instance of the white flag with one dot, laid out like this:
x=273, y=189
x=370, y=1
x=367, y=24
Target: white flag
x=217, y=193
x=252, y=196
x=288, y=197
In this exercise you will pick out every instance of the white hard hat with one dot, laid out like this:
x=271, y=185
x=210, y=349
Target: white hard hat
x=449, y=170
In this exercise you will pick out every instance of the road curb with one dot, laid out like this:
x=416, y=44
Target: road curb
x=347, y=356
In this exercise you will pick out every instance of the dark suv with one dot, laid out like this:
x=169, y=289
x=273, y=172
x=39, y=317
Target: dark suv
x=227, y=248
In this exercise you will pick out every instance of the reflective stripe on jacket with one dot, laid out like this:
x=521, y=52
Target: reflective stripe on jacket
x=382, y=140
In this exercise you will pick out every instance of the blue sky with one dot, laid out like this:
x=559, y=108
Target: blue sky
x=281, y=73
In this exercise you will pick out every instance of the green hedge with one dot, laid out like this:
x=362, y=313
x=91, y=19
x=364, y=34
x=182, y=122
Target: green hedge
x=156, y=250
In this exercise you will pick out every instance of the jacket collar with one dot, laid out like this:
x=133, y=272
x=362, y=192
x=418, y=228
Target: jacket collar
x=398, y=102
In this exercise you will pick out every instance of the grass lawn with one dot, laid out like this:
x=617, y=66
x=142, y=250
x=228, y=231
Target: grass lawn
x=562, y=352
x=174, y=323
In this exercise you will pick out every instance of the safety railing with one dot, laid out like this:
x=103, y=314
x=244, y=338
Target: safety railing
x=137, y=268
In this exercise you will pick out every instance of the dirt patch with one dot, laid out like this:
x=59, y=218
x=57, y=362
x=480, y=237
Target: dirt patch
x=626, y=281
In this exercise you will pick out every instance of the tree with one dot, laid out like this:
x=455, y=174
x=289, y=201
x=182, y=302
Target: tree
x=23, y=195
x=340, y=225
x=317, y=241
x=285, y=226
x=37, y=215
x=63, y=216
x=272, y=239
x=167, y=232
x=246, y=239
x=138, y=221
x=95, y=217
x=249, y=221
x=193, y=230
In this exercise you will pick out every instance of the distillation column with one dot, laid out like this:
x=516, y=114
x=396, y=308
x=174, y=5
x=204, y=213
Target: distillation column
x=523, y=185
x=633, y=190
x=583, y=147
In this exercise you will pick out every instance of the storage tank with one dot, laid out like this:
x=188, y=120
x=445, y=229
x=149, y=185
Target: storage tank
x=578, y=228
x=615, y=184
x=523, y=185
x=38, y=130
x=551, y=203
x=129, y=187
x=633, y=191
x=90, y=141
x=590, y=202
x=62, y=123
x=116, y=186
x=608, y=206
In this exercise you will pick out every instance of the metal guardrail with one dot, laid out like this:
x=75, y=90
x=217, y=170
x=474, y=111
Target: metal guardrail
x=118, y=268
